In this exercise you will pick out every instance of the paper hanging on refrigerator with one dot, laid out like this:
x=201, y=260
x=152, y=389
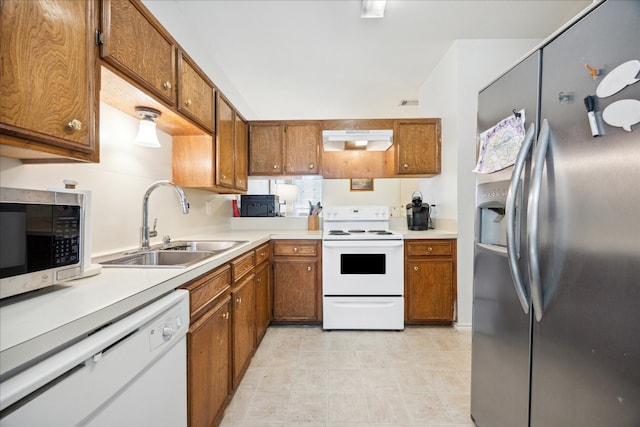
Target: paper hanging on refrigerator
x=499, y=145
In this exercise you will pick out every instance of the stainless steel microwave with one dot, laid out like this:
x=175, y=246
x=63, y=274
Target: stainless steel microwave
x=41, y=239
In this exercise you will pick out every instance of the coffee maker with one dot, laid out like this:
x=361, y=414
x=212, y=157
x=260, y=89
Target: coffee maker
x=418, y=213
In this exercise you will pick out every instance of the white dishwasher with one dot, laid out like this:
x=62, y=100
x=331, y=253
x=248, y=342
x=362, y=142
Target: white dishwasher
x=131, y=373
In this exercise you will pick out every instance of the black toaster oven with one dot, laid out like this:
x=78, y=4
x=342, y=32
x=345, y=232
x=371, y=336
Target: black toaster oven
x=259, y=205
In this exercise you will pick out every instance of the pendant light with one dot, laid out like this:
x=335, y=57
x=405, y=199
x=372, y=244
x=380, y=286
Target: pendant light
x=147, y=135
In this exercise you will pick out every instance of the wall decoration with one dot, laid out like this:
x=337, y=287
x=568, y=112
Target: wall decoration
x=362, y=184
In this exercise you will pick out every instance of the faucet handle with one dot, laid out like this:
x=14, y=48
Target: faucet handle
x=166, y=240
x=154, y=233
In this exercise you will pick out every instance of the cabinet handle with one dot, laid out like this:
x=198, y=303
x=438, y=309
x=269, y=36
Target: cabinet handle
x=416, y=268
x=406, y=165
x=239, y=300
x=187, y=103
x=75, y=124
x=166, y=85
x=308, y=268
x=225, y=315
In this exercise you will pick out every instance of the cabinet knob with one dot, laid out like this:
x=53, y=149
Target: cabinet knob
x=239, y=300
x=258, y=280
x=308, y=268
x=275, y=166
x=429, y=249
x=224, y=176
x=311, y=166
x=75, y=124
x=261, y=253
x=225, y=315
x=295, y=249
x=405, y=165
x=166, y=85
x=187, y=102
x=416, y=268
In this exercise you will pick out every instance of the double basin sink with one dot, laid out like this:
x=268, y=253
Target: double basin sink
x=178, y=254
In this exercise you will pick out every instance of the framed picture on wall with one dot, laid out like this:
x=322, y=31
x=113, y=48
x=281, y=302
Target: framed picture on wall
x=362, y=184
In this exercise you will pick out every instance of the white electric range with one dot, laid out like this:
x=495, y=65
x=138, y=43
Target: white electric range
x=362, y=269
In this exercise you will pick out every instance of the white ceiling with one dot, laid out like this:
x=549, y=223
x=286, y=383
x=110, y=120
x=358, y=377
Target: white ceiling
x=318, y=59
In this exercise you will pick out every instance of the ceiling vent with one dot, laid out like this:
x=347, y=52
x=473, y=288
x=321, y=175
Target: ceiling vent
x=408, y=102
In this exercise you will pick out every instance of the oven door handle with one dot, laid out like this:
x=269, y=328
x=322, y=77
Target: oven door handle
x=363, y=243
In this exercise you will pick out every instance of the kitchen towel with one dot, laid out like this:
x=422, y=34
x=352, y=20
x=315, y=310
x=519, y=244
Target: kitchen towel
x=499, y=145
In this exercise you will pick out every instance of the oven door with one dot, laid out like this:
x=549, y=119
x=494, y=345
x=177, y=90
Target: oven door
x=362, y=267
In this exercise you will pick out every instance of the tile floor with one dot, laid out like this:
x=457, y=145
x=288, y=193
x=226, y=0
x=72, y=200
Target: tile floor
x=302, y=376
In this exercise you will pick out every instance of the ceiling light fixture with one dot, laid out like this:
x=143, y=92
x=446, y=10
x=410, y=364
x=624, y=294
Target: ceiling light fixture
x=373, y=8
x=147, y=135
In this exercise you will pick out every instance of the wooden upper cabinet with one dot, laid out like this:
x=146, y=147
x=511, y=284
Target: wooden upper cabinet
x=49, y=84
x=231, y=147
x=225, y=143
x=133, y=43
x=418, y=145
x=302, y=149
x=241, y=154
x=265, y=149
x=284, y=148
x=195, y=93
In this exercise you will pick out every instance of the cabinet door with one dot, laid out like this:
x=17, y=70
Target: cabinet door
x=136, y=46
x=241, y=154
x=208, y=363
x=243, y=326
x=295, y=289
x=302, y=149
x=225, y=143
x=48, y=79
x=418, y=147
x=195, y=93
x=263, y=293
x=265, y=149
x=429, y=290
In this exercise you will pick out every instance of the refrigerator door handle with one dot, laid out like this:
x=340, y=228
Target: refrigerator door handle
x=532, y=218
x=510, y=213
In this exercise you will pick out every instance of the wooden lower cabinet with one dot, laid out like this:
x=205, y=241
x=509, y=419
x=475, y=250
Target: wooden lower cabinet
x=208, y=366
x=263, y=299
x=243, y=324
x=297, y=278
x=430, y=281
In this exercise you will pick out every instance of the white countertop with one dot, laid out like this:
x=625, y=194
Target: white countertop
x=40, y=322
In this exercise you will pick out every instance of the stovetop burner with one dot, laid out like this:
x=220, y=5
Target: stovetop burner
x=358, y=223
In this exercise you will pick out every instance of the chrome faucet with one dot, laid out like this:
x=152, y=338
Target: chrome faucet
x=144, y=234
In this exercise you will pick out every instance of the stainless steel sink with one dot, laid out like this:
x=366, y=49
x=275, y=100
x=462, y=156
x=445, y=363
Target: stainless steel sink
x=216, y=246
x=156, y=259
x=178, y=254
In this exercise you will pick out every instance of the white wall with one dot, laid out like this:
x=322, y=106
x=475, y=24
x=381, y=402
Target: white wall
x=118, y=184
x=451, y=92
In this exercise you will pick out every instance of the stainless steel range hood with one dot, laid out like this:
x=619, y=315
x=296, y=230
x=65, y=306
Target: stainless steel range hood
x=366, y=140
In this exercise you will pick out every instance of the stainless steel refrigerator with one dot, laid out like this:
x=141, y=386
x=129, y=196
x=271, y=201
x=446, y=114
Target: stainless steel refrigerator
x=556, y=308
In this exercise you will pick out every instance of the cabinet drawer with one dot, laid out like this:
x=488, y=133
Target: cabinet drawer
x=294, y=248
x=204, y=290
x=242, y=265
x=263, y=253
x=434, y=248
